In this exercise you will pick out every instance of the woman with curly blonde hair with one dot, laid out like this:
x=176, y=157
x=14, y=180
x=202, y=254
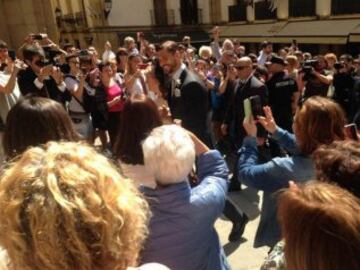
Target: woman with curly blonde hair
x=63, y=206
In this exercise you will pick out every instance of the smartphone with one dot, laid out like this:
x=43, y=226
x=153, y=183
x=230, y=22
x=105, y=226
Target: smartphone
x=256, y=106
x=351, y=131
x=12, y=55
x=247, y=108
x=39, y=36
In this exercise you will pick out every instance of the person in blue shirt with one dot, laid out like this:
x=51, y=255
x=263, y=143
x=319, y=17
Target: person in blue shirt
x=319, y=121
x=182, y=234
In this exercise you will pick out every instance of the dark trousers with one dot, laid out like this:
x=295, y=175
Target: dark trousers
x=113, y=126
x=232, y=213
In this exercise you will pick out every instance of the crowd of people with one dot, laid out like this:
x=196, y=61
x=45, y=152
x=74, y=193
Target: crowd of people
x=124, y=160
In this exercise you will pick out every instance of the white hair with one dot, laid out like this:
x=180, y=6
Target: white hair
x=205, y=49
x=169, y=153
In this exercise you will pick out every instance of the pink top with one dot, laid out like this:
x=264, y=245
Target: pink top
x=113, y=92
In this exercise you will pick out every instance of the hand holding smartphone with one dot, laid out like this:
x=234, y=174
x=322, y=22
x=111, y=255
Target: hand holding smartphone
x=247, y=109
x=253, y=107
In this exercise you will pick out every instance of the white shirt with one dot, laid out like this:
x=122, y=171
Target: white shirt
x=137, y=87
x=7, y=101
x=176, y=75
x=262, y=58
x=108, y=55
x=74, y=105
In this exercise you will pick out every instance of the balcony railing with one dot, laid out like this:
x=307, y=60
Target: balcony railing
x=237, y=13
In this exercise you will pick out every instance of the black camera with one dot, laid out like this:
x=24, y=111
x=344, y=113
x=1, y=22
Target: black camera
x=51, y=53
x=307, y=68
x=339, y=65
x=39, y=36
x=85, y=57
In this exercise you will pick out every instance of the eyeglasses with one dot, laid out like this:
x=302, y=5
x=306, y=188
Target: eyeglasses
x=241, y=67
x=74, y=62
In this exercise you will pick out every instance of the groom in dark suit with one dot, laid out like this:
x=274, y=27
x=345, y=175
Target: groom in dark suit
x=188, y=95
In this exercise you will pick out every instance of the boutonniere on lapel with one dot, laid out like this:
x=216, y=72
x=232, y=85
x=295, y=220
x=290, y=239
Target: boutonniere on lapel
x=177, y=91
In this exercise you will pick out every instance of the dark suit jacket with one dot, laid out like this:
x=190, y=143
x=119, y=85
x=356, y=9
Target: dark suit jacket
x=192, y=107
x=235, y=114
x=50, y=89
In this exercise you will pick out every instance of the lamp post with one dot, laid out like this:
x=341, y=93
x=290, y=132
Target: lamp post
x=58, y=15
x=107, y=7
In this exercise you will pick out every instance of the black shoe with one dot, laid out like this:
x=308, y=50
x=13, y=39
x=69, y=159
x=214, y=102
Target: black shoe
x=234, y=186
x=238, y=229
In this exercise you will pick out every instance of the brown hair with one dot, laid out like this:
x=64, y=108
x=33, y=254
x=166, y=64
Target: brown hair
x=320, y=223
x=339, y=162
x=170, y=46
x=139, y=117
x=34, y=121
x=318, y=121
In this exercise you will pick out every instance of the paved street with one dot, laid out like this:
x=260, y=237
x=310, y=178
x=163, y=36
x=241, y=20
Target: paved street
x=242, y=255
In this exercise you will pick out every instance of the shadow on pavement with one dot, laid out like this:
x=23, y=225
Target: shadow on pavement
x=230, y=247
x=248, y=201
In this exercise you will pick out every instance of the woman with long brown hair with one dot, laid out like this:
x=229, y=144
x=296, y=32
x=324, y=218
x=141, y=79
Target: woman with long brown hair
x=320, y=224
x=319, y=121
x=140, y=116
x=34, y=121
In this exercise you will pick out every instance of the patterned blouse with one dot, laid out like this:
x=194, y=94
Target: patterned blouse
x=275, y=259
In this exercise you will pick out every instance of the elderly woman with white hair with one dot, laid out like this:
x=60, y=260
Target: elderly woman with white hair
x=182, y=234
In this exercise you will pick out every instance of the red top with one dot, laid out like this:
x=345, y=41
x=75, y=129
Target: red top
x=111, y=93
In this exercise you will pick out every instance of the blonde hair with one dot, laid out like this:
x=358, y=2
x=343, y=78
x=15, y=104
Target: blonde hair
x=128, y=40
x=292, y=60
x=323, y=216
x=63, y=206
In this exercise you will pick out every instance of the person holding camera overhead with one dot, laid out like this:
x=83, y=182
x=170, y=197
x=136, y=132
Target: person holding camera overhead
x=316, y=77
x=42, y=77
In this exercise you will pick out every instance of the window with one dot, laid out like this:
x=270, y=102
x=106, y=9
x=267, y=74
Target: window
x=237, y=12
x=339, y=7
x=263, y=11
x=302, y=8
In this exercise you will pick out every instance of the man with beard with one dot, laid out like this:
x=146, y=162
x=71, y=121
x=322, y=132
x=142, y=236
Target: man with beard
x=188, y=96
